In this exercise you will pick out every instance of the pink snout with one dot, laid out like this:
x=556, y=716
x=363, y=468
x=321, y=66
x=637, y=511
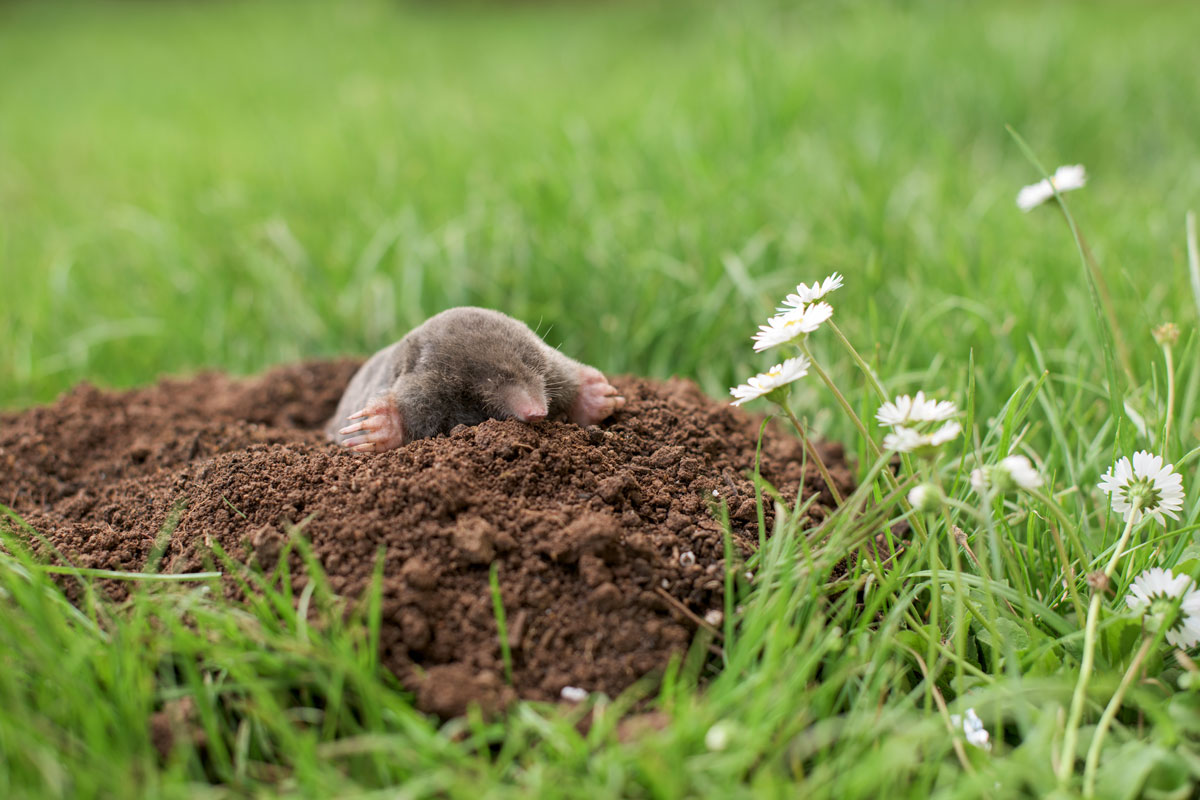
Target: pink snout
x=524, y=404
x=530, y=412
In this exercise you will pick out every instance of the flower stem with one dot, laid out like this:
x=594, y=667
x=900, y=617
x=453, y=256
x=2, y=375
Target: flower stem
x=1066, y=763
x=842, y=401
x=862, y=365
x=1105, y=298
x=1170, y=396
x=1110, y=711
x=813, y=454
x=862, y=430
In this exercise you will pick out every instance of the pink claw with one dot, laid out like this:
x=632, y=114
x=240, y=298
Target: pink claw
x=380, y=428
x=597, y=398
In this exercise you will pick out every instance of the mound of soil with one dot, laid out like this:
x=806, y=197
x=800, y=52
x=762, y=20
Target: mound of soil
x=608, y=549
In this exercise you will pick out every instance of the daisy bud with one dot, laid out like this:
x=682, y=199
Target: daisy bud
x=719, y=736
x=1167, y=334
x=1014, y=472
x=960, y=536
x=927, y=497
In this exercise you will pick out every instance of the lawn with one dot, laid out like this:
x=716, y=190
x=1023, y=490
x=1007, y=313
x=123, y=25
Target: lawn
x=232, y=185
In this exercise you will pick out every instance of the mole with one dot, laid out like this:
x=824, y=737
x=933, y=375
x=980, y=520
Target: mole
x=461, y=367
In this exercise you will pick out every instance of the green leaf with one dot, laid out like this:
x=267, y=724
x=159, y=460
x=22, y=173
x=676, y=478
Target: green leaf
x=1124, y=772
x=1011, y=634
x=1121, y=638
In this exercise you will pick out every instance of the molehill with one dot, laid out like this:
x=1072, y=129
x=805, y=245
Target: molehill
x=607, y=546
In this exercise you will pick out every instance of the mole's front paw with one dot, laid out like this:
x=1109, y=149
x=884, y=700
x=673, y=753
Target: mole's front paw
x=379, y=428
x=596, y=400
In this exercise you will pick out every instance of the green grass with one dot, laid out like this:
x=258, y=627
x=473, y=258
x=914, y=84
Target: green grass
x=221, y=184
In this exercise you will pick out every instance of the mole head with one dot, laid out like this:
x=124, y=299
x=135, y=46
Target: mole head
x=514, y=392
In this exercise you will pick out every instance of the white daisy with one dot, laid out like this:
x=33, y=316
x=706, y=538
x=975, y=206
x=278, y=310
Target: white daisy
x=1064, y=179
x=1153, y=594
x=905, y=410
x=903, y=440
x=766, y=382
x=1014, y=472
x=906, y=440
x=1157, y=489
x=805, y=294
x=973, y=730
x=783, y=328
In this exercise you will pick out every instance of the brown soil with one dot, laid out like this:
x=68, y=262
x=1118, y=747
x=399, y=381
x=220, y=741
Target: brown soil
x=606, y=540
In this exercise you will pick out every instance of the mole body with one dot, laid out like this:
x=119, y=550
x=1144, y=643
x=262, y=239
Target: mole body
x=461, y=367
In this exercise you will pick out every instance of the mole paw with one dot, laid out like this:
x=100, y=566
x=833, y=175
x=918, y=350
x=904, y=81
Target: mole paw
x=378, y=428
x=596, y=400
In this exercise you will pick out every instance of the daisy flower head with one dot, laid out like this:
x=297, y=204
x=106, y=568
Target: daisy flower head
x=1014, y=472
x=912, y=418
x=1064, y=179
x=905, y=410
x=776, y=377
x=1145, y=486
x=910, y=440
x=972, y=728
x=785, y=327
x=804, y=294
x=1153, y=595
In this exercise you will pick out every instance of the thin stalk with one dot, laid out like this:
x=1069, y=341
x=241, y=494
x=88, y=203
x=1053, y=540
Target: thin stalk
x=1170, y=395
x=941, y=704
x=1105, y=300
x=1110, y=711
x=1071, y=736
x=813, y=454
x=1193, y=256
x=1104, y=325
x=1067, y=523
x=919, y=527
x=842, y=401
x=501, y=623
x=1068, y=572
x=960, y=598
x=862, y=365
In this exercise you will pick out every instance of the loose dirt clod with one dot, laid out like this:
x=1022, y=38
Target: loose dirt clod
x=588, y=526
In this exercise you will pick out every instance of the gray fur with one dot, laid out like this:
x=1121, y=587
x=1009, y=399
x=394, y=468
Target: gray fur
x=451, y=370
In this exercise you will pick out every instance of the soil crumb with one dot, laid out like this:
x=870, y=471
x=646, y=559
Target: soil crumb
x=606, y=540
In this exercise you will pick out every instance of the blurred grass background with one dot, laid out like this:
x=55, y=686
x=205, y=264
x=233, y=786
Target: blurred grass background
x=234, y=184
x=220, y=184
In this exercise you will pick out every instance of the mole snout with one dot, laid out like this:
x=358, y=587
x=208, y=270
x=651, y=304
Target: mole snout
x=526, y=404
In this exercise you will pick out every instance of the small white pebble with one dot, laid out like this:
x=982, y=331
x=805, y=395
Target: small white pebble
x=716, y=493
x=714, y=617
x=573, y=694
x=666, y=584
x=687, y=558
